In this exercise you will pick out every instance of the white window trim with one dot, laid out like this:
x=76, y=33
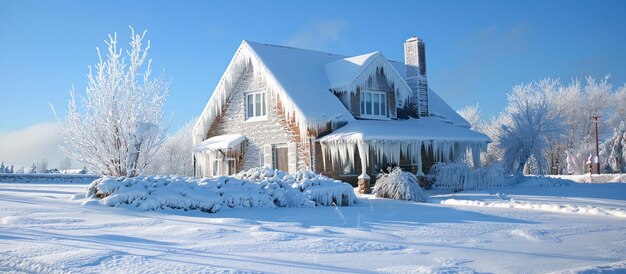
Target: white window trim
x=249, y=118
x=373, y=116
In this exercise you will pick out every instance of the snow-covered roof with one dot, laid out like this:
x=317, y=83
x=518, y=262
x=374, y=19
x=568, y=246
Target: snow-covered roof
x=423, y=129
x=342, y=72
x=437, y=107
x=301, y=75
x=225, y=142
x=302, y=80
x=440, y=109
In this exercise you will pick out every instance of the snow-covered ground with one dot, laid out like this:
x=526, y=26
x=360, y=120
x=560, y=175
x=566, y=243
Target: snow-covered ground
x=537, y=227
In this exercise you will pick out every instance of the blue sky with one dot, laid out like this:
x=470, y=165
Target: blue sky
x=476, y=50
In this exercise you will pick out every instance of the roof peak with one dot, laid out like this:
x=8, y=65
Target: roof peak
x=253, y=43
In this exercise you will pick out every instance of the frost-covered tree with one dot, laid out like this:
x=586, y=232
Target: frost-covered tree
x=117, y=129
x=42, y=165
x=32, y=169
x=472, y=115
x=532, y=124
x=568, y=148
x=491, y=128
x=619, y=107
x=598, y=102
x=615, y=152
x=175, y=156
x=65, y=163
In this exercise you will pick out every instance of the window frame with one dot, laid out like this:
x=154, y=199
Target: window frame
x=250, y=111
x=368, y=105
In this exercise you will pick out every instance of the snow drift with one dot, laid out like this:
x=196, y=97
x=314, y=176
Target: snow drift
x=257, y=187
x=559, y=208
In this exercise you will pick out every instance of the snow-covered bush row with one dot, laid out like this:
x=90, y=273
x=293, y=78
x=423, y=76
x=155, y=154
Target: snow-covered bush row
x=459, y=176
x=398, y=185
x=47, y=178
x=257, y=187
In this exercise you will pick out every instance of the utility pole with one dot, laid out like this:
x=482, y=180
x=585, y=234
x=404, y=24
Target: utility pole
x=597, y=159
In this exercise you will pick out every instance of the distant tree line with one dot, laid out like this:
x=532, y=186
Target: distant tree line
x=548, y=127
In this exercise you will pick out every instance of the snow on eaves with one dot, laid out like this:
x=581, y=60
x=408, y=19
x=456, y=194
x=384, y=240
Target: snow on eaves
x=425, y=129
x=227, y=141
x=392, y=138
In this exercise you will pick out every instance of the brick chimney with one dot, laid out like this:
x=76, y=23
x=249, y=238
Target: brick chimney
x=415, y=62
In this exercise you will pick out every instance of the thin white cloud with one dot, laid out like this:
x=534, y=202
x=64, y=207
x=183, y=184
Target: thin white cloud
x=26, y=146
x=318, y=35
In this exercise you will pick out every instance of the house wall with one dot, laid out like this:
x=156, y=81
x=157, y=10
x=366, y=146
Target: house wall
x=261, y=134
x=334, y=172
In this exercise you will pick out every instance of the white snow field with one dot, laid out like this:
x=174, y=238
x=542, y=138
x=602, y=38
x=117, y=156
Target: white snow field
x=540, y=226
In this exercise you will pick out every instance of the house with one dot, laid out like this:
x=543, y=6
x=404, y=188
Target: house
x=344, y=116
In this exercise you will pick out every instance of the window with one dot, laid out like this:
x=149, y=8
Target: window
x=226, y=166
x=230, y=164
x=348, y=169
x=373, y=104
x=281, y=157
x=216, y=167
x=255, y=105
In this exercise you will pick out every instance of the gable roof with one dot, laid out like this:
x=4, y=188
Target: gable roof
x=302, y=80
x=342, y=72
x=348, y=73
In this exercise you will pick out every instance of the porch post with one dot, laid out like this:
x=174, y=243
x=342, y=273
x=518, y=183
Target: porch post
x=364, y=179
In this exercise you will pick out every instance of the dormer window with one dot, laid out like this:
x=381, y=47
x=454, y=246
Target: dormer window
x=255, y=104
x=374, y=104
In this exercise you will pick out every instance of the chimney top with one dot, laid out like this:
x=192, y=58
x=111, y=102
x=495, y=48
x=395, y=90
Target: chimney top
x=413, y=39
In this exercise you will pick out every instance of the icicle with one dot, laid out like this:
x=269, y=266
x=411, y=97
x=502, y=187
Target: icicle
x=476, y=155
x=363, y=154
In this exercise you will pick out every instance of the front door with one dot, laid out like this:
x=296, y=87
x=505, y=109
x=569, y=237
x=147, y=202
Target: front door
x=281, y=158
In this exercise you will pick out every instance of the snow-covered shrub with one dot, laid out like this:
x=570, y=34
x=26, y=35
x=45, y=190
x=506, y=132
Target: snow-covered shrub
x=459, y=176
x=305, y=185
x=398, y=185
x=257, y=187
